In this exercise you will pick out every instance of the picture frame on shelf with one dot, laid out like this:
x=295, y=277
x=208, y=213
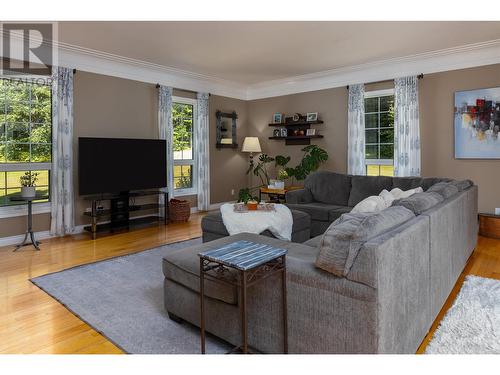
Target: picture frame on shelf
x=278, y=118
x=311, y=132
x=312, y=116
x=284, y=132
x=277, y=133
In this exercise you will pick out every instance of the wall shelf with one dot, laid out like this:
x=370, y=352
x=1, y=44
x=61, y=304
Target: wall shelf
x=297, y=123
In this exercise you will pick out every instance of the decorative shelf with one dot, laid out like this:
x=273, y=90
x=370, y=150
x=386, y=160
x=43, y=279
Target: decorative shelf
x=297, y=139
x=298, y=123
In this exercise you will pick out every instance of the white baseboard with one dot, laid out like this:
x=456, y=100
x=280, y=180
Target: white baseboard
x=15, y=240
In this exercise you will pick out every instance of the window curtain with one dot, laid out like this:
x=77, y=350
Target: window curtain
x=406, y=127
x=356, y=130
x=165, y=128
x=62, y=202
x=202, y=153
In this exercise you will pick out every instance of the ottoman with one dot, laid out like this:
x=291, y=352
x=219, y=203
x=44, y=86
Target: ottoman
x=213, y=227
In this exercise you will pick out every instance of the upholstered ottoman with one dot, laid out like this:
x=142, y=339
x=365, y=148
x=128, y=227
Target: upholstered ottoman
x=213, y=227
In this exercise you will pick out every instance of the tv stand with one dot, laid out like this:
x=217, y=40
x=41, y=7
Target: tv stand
x=117, y=216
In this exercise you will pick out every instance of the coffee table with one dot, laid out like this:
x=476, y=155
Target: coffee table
x=253, y=262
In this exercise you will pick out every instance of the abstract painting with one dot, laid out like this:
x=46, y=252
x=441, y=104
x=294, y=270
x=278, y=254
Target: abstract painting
x=477, y=124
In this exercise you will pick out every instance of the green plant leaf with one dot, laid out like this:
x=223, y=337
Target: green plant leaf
x=281, y=160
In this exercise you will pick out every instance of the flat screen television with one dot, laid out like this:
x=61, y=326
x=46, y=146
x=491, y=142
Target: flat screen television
x=116, y=165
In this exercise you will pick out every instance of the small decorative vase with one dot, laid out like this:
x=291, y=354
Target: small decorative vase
x=252, y=205
x=28, y=192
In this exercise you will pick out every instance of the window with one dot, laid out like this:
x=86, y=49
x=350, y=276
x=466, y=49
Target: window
x=183, y=119
x=379, y=132
x=25, y=135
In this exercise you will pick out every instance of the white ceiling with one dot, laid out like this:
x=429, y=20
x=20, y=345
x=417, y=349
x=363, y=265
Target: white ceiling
x=249, y=53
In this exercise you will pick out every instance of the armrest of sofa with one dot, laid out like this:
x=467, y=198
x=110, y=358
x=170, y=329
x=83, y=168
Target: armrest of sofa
x=298, y=196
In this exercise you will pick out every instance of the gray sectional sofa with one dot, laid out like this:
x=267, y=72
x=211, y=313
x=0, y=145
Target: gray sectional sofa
x=328, y=195
x=372, y=283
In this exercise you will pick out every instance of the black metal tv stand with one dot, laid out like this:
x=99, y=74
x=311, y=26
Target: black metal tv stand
x=117, y=216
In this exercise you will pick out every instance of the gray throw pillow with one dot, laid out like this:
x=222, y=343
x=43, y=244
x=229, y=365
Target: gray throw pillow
x=445, y=189
x=462, y=184
x=420, y=202
x=342, y=241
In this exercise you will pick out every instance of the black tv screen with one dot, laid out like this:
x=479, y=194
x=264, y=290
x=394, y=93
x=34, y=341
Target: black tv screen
x=114, y=165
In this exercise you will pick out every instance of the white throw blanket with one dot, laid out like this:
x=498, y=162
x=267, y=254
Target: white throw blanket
x=278, y=222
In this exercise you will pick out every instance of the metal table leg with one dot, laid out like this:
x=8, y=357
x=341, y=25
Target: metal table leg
x=285, y=307
x=244, y=334
x=29, y=232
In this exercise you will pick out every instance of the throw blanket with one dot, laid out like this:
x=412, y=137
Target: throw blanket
x=278, y=222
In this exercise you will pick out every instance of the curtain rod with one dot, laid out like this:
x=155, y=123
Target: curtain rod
x=420, y=76
x=177, y=88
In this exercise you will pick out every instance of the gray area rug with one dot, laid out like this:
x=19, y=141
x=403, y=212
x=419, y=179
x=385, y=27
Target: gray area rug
x=122, y=298
x=472, y=324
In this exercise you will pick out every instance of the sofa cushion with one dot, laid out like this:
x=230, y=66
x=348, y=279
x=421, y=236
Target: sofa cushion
x=298, y=196
x=183, y=267
x=419, y=202
x=314, y=242
x=364, y=186
x=373, y=203
x=335, y=213
x=317, y=211
x=462, y=184
x=329, y=187
x=406, y=183
x=445, y=189
x=429, y=181
x=341, y=242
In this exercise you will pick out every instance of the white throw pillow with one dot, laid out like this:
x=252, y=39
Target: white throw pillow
x=398, y=193
x=387, y=196
x=373, y=203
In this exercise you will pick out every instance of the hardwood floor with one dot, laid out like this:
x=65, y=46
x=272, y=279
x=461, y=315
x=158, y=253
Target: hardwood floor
x=33, y=322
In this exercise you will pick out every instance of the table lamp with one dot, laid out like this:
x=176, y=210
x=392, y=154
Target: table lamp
x=251, y=145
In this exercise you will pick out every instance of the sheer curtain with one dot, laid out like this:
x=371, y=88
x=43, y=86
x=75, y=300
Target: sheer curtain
x=356, y=130
x=61, y=176
x=406, y=127
x=202, y=153
x=165, y=128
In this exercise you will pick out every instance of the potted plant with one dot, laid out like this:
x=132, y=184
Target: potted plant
x=28, y=182
x=245, y=196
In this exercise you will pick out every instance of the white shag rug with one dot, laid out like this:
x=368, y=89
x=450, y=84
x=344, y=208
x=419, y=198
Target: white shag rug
x=472, y=324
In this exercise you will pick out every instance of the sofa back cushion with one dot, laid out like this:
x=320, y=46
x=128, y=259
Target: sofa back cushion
x=429, y=181
x=406, y=183
x=344, y=238
x=364, y=186
x=419, y=202
x=445, y=189
x=329, y=187
x=462, y=184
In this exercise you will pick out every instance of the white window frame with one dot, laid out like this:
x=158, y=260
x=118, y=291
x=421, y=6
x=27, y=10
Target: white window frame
x=376, y=94
x=20, y=209
x=193, y=163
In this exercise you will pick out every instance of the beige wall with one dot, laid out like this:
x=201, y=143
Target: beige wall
x=436, y=119
x=436, y=122
x=114, y=107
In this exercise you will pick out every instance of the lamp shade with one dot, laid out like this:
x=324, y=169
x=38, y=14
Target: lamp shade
x=251, y=144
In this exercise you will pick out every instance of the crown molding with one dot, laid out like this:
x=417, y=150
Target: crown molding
x=467, y=56
x=461, y=57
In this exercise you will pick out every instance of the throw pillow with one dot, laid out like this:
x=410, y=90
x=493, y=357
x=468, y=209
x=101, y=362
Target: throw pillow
x=399, y=194
x=342, y=241
x=373, y=203
x=445, y=189
x=419, y=202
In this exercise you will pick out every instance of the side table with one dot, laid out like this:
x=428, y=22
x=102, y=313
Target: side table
x=29, y=231
x=489, y=225
x=276, y=195
x=252, y=262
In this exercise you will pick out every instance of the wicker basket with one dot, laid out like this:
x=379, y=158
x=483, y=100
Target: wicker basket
x=179, y=210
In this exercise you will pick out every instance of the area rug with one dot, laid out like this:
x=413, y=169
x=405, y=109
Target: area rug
x=472, y=324
x=122, y=298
